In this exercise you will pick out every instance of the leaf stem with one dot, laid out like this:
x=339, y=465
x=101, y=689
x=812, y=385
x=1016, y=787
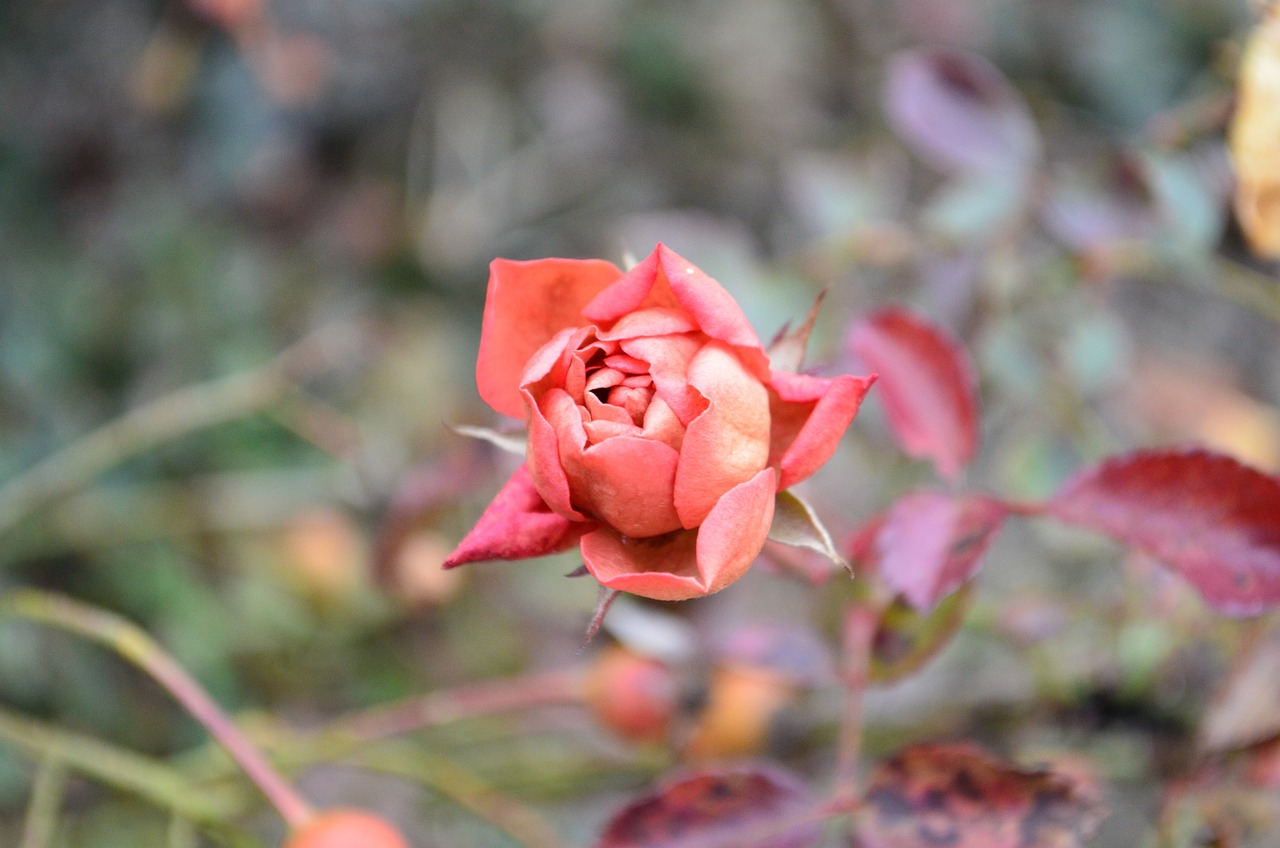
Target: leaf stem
x=860, y=624
x=132, y=643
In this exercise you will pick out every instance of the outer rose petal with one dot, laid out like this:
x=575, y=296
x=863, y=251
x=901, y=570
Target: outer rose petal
x=688, y=563
x=809, y=415
x=542, y=456
x=527, y=303
x=517, y=524
x=665, y=278
x=728, y=443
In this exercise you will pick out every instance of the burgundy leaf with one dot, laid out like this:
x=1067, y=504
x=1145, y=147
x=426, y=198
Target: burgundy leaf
x=929, y=543
x=957, y=111
x=734, y=808
x=927, y=385
x=1209, y=518
x=959, y=796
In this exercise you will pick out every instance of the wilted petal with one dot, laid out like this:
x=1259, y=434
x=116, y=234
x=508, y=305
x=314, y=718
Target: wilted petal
x=728, y=443
x=518, y=524
x=809, y=415
x=527, y=303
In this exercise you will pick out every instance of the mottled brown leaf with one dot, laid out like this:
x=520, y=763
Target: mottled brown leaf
x=926, y=383
x=1209, y=518
x=734, y=808
x=958, y=796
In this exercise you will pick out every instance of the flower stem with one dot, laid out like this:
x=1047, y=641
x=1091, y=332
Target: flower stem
x=132, y=643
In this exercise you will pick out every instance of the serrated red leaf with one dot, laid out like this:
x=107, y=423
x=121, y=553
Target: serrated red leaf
x=738, y=807
x=1209, y=518
x=957, y=111
x=929, y=543
x=927, y=385
x=962, y=797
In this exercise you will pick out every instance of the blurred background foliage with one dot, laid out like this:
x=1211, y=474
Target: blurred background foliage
x=290, y=205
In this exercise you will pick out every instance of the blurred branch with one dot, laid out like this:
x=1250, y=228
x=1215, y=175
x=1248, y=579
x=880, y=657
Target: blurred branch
x=183, y=411
x=113, y=766
x=47, y=792
x=132, y=643
x=522, y=823
x=517, y=693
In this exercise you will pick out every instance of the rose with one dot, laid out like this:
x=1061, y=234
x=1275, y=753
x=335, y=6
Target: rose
x=658, y=433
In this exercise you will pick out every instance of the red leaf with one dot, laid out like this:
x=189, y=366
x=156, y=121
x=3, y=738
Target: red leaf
x=742, y=808
x=929, y=543
x=1209, y=518
x=959, y=796
x=927, y=384
x=958, y=111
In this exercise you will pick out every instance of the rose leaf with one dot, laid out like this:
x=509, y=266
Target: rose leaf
x=1209, y=518
x=959, y=113
x=960, y=796
x=1246, y=707
x=746, y=807
x=927, y=385
x=929, y=543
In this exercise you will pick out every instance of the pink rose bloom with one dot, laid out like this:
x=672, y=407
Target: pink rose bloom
x=658, y=433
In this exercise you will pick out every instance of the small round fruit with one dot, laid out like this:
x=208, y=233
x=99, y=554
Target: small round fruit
x=633, y=695
x=346, y=829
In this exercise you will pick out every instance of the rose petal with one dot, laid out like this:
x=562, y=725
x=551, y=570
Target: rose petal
x=666, y=279
x=626, y=482
x=661, y=567
x=728, y=443
x=517, y=524
x=658, y=321
x=556, y=418
x=527, y=303
x=661, y=423
x=669, y=358
x=809, y=415
x=733, y=533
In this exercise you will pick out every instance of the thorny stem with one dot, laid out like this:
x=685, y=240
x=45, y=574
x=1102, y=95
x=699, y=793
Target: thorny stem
x=132, y=643
x=175, y=414
x=516, y=693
